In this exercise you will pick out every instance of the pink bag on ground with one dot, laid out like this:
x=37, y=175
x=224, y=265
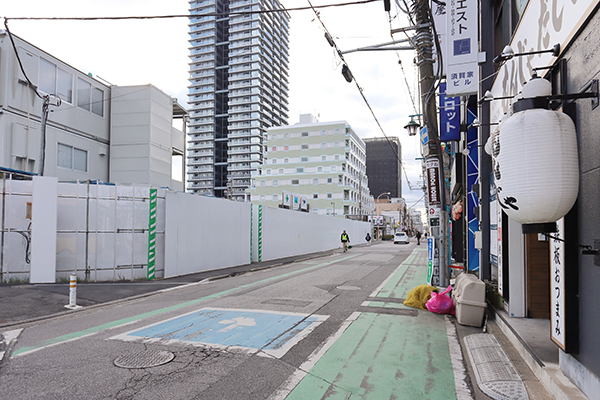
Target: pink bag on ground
x=441, y=303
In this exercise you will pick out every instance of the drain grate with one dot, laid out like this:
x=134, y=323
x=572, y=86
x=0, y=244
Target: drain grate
x=144, y=359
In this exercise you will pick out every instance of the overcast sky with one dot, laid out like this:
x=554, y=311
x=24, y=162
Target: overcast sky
x=133, y=52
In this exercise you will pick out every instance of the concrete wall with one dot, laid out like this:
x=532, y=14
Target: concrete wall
x=582, y=66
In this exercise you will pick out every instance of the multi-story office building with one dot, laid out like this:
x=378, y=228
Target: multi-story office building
x=384, y=166
x=323, y=162
x=238, y=89
x=118, y=134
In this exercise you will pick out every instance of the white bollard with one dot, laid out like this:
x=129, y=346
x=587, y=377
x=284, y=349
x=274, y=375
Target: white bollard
x=73, y=293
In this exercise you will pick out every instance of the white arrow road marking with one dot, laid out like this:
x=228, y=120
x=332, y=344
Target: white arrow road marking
x=236, y=322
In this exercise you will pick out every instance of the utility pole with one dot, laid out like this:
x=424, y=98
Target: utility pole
x=433, y=158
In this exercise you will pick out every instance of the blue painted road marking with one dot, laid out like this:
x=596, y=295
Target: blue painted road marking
x=252, y=330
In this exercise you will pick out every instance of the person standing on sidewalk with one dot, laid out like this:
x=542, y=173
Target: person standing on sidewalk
x=368, y=239
x=345, y=240
x=418, y=236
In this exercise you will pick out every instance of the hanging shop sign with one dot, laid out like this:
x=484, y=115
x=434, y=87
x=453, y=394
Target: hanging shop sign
x=462, y=49
x=449, y=116
x=535, y=162
x=433, y=182
x=438, y=11
x=432, y=166
x=557, y=286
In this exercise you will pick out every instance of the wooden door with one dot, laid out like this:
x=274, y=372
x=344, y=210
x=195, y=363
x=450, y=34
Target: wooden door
x=537, y=259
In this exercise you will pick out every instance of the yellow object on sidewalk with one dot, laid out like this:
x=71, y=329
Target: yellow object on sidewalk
x=418, y=296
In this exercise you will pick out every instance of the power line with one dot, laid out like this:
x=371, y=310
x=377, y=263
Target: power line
x=346, y=72
x=231, y=13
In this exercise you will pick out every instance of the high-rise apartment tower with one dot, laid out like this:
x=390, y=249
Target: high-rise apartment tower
x=238, y=89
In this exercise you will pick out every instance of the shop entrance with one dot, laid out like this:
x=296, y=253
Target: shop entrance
x=537, y=270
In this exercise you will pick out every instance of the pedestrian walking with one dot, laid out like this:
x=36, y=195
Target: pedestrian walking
x=345, y=239
x=368, y=239
x=418, y=236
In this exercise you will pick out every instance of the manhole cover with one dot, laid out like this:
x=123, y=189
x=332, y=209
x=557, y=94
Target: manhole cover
x=348, y=288
x=144, y=359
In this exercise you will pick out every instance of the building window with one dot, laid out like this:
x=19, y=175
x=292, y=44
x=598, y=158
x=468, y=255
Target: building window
x=273, y=136
x=304, y=134
x=315, y=210
x=323, y=158
x=303, y=159
x=275, y=182
x=315, y=181
x=84, y=94
x=299, y=170
x=329, y=180
x=268, y=172
x=337, y=144
x=319, y=169
x=263, y=197
x=275, y=197
x=286, y=148
x=56, y=81
x=286, y=135
x=98, y=102
x=323, y=132
x=263, y=183
x=89, y=98
x=334, y=168
x=337, y=157
x=315, y=196
x=337, y=131
x=330, y=195
x=274, y=148
x=304, y=147
x=280, y=171
x=295, y=181
x=274, y=161
x=286, y=160
x=324, y=145
x=71, y=158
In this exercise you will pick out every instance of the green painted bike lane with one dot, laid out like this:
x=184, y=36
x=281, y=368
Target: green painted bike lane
x=383, y=356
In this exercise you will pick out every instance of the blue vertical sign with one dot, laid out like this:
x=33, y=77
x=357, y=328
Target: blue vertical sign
x=449, y=116
x=472, y=199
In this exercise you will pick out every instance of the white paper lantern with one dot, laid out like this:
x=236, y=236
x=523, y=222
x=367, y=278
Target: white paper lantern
x=535, y=164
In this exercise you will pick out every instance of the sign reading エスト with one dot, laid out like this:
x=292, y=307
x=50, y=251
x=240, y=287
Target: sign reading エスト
x=462, y=51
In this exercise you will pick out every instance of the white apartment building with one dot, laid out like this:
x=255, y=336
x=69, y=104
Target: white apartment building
x=238, y=89
x=118, y=134
x=323, y=162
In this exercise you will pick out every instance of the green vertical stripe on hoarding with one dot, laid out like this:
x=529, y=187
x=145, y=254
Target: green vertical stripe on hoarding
x=152, y=232
x=259, y=233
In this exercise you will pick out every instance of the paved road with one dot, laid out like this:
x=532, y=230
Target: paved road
x=331, y=327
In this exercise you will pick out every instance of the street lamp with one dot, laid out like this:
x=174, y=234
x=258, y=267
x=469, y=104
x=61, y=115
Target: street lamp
x=386, y=193
x=413, y=126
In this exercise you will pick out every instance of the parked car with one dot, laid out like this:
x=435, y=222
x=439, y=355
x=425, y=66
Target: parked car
x=401, y=237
